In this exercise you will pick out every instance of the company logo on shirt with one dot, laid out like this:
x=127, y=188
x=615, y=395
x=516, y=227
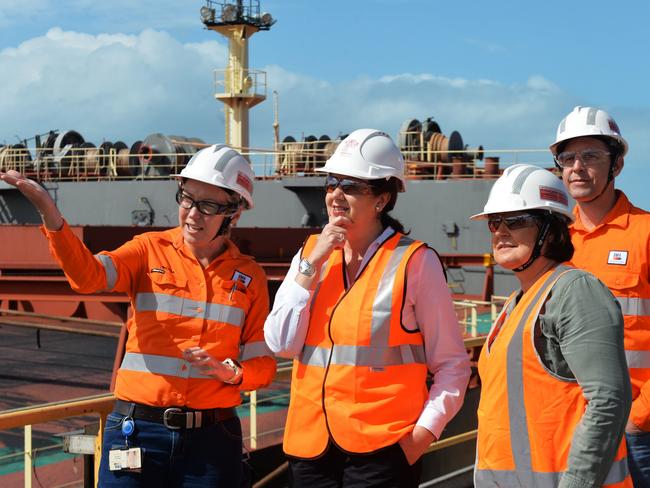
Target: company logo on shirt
x=242, y=278
x=617, y=257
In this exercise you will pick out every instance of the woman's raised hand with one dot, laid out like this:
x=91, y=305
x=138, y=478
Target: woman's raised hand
x=38, y=196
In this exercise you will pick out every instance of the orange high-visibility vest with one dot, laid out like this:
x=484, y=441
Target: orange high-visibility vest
x=360, y=379
x=177, y=304
x=617, y=251
x=527, y=416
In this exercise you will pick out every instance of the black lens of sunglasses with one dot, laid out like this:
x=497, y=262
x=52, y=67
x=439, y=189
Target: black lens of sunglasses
x=349, y=187
x=512, y=223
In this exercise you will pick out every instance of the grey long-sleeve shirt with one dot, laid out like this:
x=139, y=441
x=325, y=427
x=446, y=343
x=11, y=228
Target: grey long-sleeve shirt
x=582, y=337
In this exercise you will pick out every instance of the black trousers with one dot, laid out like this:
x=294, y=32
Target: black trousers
x=386, y=468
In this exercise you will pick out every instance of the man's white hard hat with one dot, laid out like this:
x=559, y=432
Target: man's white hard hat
x=524, y=187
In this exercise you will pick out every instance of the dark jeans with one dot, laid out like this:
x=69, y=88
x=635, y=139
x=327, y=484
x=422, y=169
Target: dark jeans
x=193, y=458
x=638, y=458
x=386, y=468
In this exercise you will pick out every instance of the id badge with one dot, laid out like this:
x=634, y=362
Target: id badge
x=125, y=458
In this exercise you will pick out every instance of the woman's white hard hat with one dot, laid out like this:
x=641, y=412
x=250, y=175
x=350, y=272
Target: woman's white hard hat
x=524, y=187
x=222, y=166
x=368, y=154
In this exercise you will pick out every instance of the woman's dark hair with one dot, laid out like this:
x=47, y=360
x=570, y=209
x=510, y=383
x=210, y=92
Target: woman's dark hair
x=558, y=245
x=390, y=186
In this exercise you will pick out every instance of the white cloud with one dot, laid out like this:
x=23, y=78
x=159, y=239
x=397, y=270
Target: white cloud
x=117, y=86
x=109, y=85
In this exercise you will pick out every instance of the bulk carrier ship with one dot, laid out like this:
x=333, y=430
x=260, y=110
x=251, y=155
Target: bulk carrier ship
x=112, y=191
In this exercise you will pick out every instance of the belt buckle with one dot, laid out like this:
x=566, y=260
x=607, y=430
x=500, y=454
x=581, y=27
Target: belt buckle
x=166, y=413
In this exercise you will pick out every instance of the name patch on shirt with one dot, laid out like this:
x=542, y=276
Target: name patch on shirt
x=242, y=278
x=617, y=257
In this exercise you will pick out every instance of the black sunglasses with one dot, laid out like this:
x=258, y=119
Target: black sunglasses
x=348, y=186
x=206, y=207
x=513, y=222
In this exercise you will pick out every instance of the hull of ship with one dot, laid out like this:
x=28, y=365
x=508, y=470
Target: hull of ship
x=435, y=211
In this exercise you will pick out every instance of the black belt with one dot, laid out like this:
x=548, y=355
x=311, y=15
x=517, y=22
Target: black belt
x=174, y=417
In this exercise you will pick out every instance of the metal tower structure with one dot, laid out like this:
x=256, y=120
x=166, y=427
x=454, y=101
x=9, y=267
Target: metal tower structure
x=237, y=86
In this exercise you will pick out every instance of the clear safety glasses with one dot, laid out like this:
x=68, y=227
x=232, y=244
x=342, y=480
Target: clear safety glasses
x=206, y=207
x=588, y=157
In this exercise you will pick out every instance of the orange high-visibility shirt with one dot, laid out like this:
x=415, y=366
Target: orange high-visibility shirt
x=617, y=251
x=177, y=304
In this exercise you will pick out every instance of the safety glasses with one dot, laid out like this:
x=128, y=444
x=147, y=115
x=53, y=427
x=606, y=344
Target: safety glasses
x=348, y=186
x=588, y=157
x=206, y=207
x=513, y=222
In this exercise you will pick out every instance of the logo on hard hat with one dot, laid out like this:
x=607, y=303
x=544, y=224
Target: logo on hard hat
x=553, y=195
x=613, y=126
x=245, y=182
x=349, y=145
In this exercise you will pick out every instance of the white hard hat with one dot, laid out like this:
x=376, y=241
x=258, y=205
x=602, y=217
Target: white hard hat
x=369, y=154
x=525, y=187
x=222, y=166
x=585, y=122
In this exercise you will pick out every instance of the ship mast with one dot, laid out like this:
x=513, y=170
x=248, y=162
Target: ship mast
x=238, y=87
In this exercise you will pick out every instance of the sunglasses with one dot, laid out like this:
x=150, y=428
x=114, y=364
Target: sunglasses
x=349, y=187
x=206, y=207
x=513, y=222
x=588, y=157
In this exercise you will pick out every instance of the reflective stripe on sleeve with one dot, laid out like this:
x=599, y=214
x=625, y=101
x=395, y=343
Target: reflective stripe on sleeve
x=637, y=359
x=254, y=350
x=150, y=363
x=636, y=307
x=109, y=269
x=160, y=302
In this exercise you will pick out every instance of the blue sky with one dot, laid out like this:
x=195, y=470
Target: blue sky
x=501, y=73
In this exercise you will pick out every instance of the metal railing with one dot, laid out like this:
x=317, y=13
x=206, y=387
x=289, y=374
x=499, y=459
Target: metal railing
x=102, y=405
x=240, y=83
x=290, y=159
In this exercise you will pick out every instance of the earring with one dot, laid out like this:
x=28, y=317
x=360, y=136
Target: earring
x=378, y=208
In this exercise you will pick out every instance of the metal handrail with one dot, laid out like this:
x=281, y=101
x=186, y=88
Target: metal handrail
x=295, y=159
x=102, y=405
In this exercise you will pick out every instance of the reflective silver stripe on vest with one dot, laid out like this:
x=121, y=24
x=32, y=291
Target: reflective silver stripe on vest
x=519, y=437
x=254, y=350
x=636, y=307
x=378, y=354
x=160, y=302
x=150, y=363
x=382, y=306
x=109, y=269
x=638, y=359
x=372, y=356
x=493, y=478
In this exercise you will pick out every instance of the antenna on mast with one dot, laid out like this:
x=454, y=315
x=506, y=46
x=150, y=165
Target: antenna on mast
x=238, y=87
